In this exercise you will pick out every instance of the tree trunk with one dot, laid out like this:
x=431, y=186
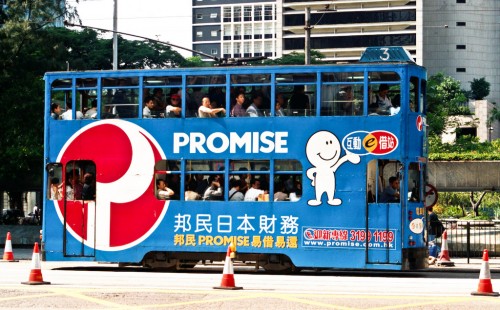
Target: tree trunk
x=476, y=204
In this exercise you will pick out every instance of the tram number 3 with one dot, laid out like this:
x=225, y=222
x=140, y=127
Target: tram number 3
x=385, y=54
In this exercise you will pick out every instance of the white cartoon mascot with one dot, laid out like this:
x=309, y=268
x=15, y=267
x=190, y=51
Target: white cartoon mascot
x=323, y=152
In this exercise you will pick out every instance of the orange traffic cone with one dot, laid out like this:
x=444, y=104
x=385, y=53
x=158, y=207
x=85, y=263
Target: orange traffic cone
x=485, y=288
x=8, y=255
x=227, y=282
x=444, y=257
x=36, y=270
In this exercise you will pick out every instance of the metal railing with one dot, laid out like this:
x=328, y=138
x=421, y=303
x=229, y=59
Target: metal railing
x=469, y=238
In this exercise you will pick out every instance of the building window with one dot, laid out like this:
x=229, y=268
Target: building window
x=213, y=15
x=199, y=16
x=214, y=33
x=461, y=70
x=460, y=47
x=227, y=14
x=237, y=14
x=247, y=31
x=268, y=12
x=199, y=34
x=257, y=12
x=460, y=1
x=213, y=51
x=461, y=24
x=247, y=13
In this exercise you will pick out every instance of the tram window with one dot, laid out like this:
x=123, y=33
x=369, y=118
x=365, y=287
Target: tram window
x=158, y=81
x=341, y=99
x=63, y=98
x=80, y=180
x=206, y=80
x=119, y=102
x=345, y=77
x=414, y=94
x=168, y=179
x=422, y=99
x=61, y=84
x=384, y=86
x=54, y=182
x=256, y=175
x=301, y=99
x=206, y=177
x=87, y=100
x=193, y=100
x=379, y=173
x=86, y=83
x=287, y=180
x=414, y=188
x=250, y=79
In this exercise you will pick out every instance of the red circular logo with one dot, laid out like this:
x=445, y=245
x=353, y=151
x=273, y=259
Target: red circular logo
x=420, y=123
x=125, y=211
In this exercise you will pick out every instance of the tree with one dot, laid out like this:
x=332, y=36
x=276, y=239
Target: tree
x=480, y=88
x=295, y=58
x=444, y=98
x=21, y=94
x=30, y=45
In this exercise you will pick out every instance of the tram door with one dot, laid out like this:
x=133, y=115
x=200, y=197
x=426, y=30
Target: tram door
x=384, y=222
x=79, y=210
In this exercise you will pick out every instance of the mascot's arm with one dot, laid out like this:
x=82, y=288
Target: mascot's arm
x=310, y=174
x=353, y=158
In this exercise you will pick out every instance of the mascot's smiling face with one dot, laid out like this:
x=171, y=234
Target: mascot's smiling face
x=323, y=149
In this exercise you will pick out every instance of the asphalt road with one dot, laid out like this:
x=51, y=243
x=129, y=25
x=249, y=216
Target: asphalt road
x=106, y=286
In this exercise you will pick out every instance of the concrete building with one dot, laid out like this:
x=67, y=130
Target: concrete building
x=461, y=38
x=236, y=28
x=341, y=30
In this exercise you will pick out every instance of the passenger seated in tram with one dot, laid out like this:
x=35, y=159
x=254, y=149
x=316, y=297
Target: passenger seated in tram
x=391, y=192
x=380, y=103
x=215, y=189
x=174, y=108
x=162, y=191
x=205, y=110
x=254, y=110
x=149, y=105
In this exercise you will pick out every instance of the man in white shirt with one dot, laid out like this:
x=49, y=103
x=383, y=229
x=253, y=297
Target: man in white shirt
x=253, y=192
x=68, y=115
x=205, y=110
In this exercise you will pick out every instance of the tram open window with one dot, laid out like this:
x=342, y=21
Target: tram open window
x=255, y=174
x=287, y=180
x=384, y=93
x=168, y=180
x=80, y=180
x=120, y=98
x=86, y=97
x=414, y=94
x=61, y=102
x=379, y=176
x=300, y=89
x=422, y=103
x=54, y=181
x=342, y=93
x=252, y=86
x=414, y=183
x=206, y=177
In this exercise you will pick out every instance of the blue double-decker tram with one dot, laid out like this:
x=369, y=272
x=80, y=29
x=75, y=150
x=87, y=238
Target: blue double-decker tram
x=315, y=166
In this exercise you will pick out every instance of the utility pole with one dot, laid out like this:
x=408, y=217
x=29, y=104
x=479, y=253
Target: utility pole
x=115, y=35
x=307, y=28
